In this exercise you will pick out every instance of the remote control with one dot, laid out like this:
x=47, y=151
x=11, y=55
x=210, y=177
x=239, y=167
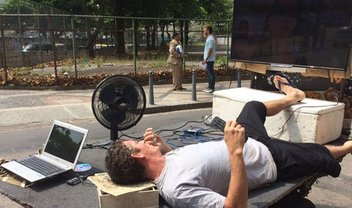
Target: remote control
x=74, y=181
x=219, y=123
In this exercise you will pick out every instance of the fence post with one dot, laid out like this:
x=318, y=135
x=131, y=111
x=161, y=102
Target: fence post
x=238, y=77
x=194, y=88
x=24, y=62
x=65, y=33
x=151, y=90
x=134, y=46
x=184, y=46
x=54, y=47
x=3, y=50
x=227, y=44
x=74, y=44
x=39, y=39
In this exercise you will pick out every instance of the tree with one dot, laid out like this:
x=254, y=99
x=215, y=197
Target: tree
x=190, y=9
x=120, y=27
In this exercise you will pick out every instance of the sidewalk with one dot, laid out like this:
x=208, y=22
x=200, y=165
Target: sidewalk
x=25, y=107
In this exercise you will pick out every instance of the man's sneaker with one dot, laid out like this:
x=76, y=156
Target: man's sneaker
x=208, y=90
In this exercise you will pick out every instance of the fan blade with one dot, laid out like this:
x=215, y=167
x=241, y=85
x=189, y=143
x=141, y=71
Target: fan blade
x=113, y=115
x=108, y=94
x=130, y=94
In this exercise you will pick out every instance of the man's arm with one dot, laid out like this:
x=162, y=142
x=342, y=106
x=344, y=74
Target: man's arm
x=150, y=136
x=209, y=52
x=172, y=50
x=237, y=195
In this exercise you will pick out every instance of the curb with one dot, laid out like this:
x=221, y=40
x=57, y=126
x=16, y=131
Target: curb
x=163, y=109
x=76, y=112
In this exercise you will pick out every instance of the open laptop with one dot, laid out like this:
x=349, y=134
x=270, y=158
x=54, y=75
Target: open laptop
x=60, y=154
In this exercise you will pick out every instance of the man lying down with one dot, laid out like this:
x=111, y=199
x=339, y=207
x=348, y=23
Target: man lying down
x=219, y=173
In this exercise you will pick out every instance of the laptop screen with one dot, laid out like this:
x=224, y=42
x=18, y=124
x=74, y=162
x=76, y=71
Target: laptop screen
x=64, y=143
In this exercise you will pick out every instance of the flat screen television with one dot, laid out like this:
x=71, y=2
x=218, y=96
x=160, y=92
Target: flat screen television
x=299, y=33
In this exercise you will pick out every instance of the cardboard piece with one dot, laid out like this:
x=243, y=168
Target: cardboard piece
x=113, y=195
x=141, y=199
x=104, y=183
x=11, y=178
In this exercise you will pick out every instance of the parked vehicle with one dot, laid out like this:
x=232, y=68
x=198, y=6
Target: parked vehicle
x=40, y=46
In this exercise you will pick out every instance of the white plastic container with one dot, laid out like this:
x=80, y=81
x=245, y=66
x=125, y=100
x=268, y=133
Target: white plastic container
x=310, y=120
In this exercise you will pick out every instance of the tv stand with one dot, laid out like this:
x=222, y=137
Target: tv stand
x=286, y=68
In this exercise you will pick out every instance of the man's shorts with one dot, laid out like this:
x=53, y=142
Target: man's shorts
x=292, y=159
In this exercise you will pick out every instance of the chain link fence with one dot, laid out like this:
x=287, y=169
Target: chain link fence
x=78, y=45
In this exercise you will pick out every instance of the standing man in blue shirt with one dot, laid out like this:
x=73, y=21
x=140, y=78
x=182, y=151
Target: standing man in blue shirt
x=209, y=57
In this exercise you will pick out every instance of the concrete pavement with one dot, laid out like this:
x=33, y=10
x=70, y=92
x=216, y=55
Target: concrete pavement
x=31, y=107
x=8, y=203
x=25, y=107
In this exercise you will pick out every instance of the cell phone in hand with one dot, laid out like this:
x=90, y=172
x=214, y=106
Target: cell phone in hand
x=219, y=123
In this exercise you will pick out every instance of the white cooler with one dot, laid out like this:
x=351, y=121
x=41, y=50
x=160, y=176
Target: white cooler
x=311, y=120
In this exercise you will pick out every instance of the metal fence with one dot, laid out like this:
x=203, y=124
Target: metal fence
x=34, y=44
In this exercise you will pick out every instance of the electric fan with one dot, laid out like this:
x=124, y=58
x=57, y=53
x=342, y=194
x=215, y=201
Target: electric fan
x=118, y=103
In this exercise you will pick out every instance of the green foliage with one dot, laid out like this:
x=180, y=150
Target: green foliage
x=221, y=61
x=210, y=9
x=22, y=71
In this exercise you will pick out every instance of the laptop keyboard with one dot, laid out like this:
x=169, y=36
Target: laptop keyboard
x=41, y=166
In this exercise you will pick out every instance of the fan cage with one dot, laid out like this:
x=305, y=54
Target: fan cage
x=119, y=82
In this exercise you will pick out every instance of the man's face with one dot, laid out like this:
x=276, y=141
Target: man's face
x=145, y=148
x=205, y=32
x=178, y=37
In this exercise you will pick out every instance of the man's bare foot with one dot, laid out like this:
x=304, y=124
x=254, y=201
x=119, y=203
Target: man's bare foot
x=348, y=145
x=282, y=84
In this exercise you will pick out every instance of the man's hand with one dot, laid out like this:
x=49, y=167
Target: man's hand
x=234, y=136
x=154, y=139
x=237, y=194
x=151, y=137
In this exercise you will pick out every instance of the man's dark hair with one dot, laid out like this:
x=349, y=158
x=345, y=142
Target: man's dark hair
x=121, y=167
x=175, y=34
x=210, y=29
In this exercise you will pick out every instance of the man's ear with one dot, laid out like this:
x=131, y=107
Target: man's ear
x=137, y=155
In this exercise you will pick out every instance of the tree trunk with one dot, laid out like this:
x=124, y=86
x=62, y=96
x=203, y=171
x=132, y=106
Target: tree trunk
x=154, y=35
x=162, y=28
x=92, y=38
x=181, y=29
x=120, y=28
x=147, y=36
x=186, y=33
x=168, y=33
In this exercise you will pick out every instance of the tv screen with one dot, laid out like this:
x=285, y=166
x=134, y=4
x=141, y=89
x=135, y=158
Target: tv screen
x=307, y=33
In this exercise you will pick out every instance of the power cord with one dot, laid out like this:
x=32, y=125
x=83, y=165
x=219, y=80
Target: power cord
x=122, y=134
x=290, y=116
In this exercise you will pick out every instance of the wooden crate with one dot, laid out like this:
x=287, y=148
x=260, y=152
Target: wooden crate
x=146, y=199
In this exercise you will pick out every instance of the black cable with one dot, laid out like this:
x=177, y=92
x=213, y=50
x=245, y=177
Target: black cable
x=83, y=179
x=91, y=146
x=177, y=128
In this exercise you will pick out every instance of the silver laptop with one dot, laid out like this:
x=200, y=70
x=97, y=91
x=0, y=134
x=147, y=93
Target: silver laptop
x=60, y=154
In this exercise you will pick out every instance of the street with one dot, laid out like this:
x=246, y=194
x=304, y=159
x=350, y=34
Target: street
x=18, y=142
